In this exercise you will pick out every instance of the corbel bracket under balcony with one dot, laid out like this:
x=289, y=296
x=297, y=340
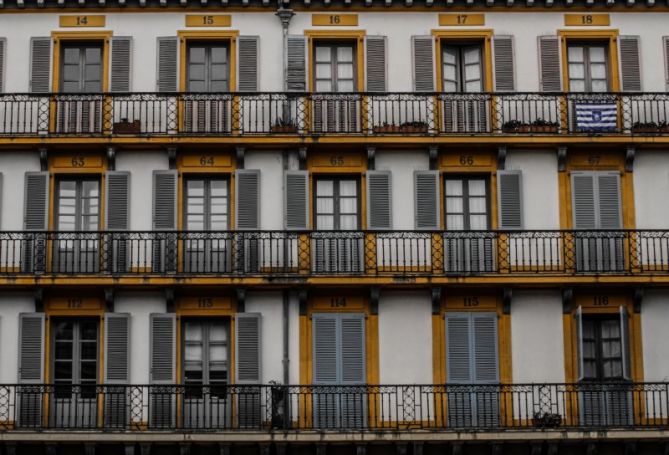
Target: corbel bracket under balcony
x=637, y=299
x=240, y=294
x=43, y=159
x=501, y=157
x=374, y=295
x=436, y=300
x=172, y=157
x=433, y=153
x=562, y=158
x=109, y=300
x=630, y=153
x=507, y=294
x=567, y=300
x=111, y=158
x=302, y=296
x=371, y=157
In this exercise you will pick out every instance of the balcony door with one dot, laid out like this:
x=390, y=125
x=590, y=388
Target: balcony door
x=588, y=67
x=207, y=73
x=469, y=245
x=77, y=223
x=338, y=246
x=207, y=218
x=75, y=368
x=81, y=73
x=462, y=69
x=335, y=72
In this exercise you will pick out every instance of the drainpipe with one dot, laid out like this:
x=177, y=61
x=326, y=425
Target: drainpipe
x=285, y=15
x=286, y=337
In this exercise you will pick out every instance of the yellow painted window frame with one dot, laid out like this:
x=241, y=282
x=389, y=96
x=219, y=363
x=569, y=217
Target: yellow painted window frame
x=336, y=35
x=229, y=36
x=465, y=35
x=610, y=36
x=58, y=37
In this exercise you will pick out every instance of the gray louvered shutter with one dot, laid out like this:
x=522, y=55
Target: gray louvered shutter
x=630, y=65
x=549, y=64
x=580, y=365
x=167, y=64
x=510, y=199
x=458, y=348
x=296, y=200
x=504, y=63
x=117, y=348
x=40, y=65
x=36, y=201
x=247, y=205
x=121, y=54
x=352, y=327
x=610, y=213
x=379, y=197
x=162, y=348
x=3, y=52
x=583, y=200
x=624, y=337
x=484, y=329
x=426, y=200
x=248, y=348
x=296, y=69
x=247, y=63
x=31, y=348
x=375, y=59
x=117, y=194
x=165, y=200
x=423, y=63
x=325, y=355
x=665, y=48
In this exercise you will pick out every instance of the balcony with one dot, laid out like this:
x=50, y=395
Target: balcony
x=307, y=254
x=324, y=114
x=374, y=408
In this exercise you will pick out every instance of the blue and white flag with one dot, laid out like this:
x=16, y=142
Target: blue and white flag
x=596, y=117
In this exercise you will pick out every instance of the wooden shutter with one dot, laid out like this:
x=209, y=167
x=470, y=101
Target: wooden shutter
x=163, y=348
x=379, y=205
x=167, y=64
x=296, y=200
x=665, y=48
x=484, y=329
x=117, y=348
x=248, y=348
x=352, y=339
x=630, y=65
x=608, y=192
x=296, y=61
x=3, y=52
x=504, y=65
x=247, y=192
x=117, y=195
x=423, y=63
x=325, y=356
x=624, y=339
x=549, y=64
x=121, y=52
x=375, y=59
x=583, y=200
x=426, y=200
x=510, y=199
x=247, y=63
x=31, y=348
x=36, y=201
x=165, y=200
x=40, y=65
x=458, y=348
x=578, y=320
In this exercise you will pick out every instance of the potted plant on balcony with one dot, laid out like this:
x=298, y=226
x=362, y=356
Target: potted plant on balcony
x=126, y=127
x=645, y=127
x=663, y=127
x=386, y=128
x=284, y=126
x=414, y=127
x=546, y=420
x=543, y=126
x=515, y=126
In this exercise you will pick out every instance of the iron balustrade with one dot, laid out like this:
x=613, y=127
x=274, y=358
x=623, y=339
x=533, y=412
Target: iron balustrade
x=435, y=253
x=287, y=113
x=489, y=407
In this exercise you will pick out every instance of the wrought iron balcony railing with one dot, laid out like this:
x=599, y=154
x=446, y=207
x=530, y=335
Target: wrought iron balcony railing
x=366, y=114
x=435, y=253
x=489, y=407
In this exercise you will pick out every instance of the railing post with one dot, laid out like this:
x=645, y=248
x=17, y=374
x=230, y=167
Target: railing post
x=371, y=261
x=437, y=253
x=304, y=254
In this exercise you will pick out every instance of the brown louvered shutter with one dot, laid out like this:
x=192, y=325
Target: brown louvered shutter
x=426, y=200
x=247, y=191
x=296, y=64
x=31, y=348
x=121, y=52
x=165, y=200
x=504, y=65
x=510, y=199
x=36, y=201
x=423, y=63
x=665, y=48
x=379, y=207
x=549, y=64
x=162, y=348
x=376, y=57
x=247, y=62
x=3, y=52
x=167, y=63
x=296, y=200
x=40, y=65
x=117, y=194
x=247, y=333
x=117, y=345
x=630, y=65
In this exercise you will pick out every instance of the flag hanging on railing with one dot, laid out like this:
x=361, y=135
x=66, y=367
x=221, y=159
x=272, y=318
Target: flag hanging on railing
x=600, y=117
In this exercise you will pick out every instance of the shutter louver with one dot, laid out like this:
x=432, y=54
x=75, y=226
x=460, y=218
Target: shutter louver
x=426, y=200
x=167, y=63
x=117, y=194
x=484, y=327
x=549, y=64
x=510, y=200
x=296, y=200
x=325, y=348
x=379, y=212
x=163, y=351
x=610, y=213
x=165, y=200
x=665, y=47
x=40, y=65
x=504, y=65
x=121, y=52
x=31, y=348
x=296, y=70
x=117, y=345
x=352, y=348
x=375, y=47
x=630, y=65
x=36, y=201
x=423, y=63
x=247, y=63
x=583, y=200
x=458, y=348
x=3, y=52
x=248, y=357
x=247, y=205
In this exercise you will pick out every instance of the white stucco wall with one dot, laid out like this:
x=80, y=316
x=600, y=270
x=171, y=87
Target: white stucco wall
x=269, y=305
x=11, y=305
x=654, y=323
x=405, y=337
x=651, y=187
x=13, y=166
x=270, y=164
x=537, y=345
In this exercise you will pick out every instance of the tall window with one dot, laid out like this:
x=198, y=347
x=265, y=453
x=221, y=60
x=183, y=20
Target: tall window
x=337, y=203
x=75, y=355
x=588, y=67
x=466, y=203
x=602, y=348
x=207, y=204
x=462, y=67
x=205, y=354
x=81, y=68
x=335, y=67
x=208, y=69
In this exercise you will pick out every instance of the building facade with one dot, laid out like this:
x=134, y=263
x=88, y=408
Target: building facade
x=410, y=227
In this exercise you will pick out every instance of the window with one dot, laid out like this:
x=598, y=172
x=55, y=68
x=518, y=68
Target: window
x=205, y=356
x=602, y=348
x=588, y=67
x=208, y=68
x=207, y=204
x=337, y=203
x=75, y=356
x=462, y=67
x=335, y=67
x=81, y=68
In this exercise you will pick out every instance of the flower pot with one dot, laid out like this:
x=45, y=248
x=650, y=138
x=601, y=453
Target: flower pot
x=386, y=129
x=413, y=128
x=644, y=129
x=126, y=127
x=544, y=128
x=664, y=129
x=283, y=129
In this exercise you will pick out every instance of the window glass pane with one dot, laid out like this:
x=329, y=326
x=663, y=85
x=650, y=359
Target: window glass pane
x=195, y=187
x=324, y=205
x=323, y=86
x=218, y=353
x=577, y=86
x=325, y=222
x=219, y=187
x=348, y=205
x=348, y=188
x=449, y=73
x=477, y=187
x=196, y=72
x=218, y=332
x=71, y=55
x=478, y=222
x=219, y=72
x=63, y=370
x=575, y=54
x=219, y=54
x=599, y=86
x=193, y=331
x=323, y=54
x=324, y=187
x=454, y=222
x=576, y=71
x=345, y=86
x=454, y=187
x=193, y=352
x=450, y=55
x=472, y=55
x=348, y=222
x=64, y=330
x=89, y=351
x=473, y=86
x=345, y=71
x=597, y=54
x=345, y=54
x=598, y=71
x=477, y=205
x=450, y=86
x=89, y=330
x=454, y=205
x=323, y=71
x=93, y=55
x=93, y=73
x=71, y=73
x=196, y=54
